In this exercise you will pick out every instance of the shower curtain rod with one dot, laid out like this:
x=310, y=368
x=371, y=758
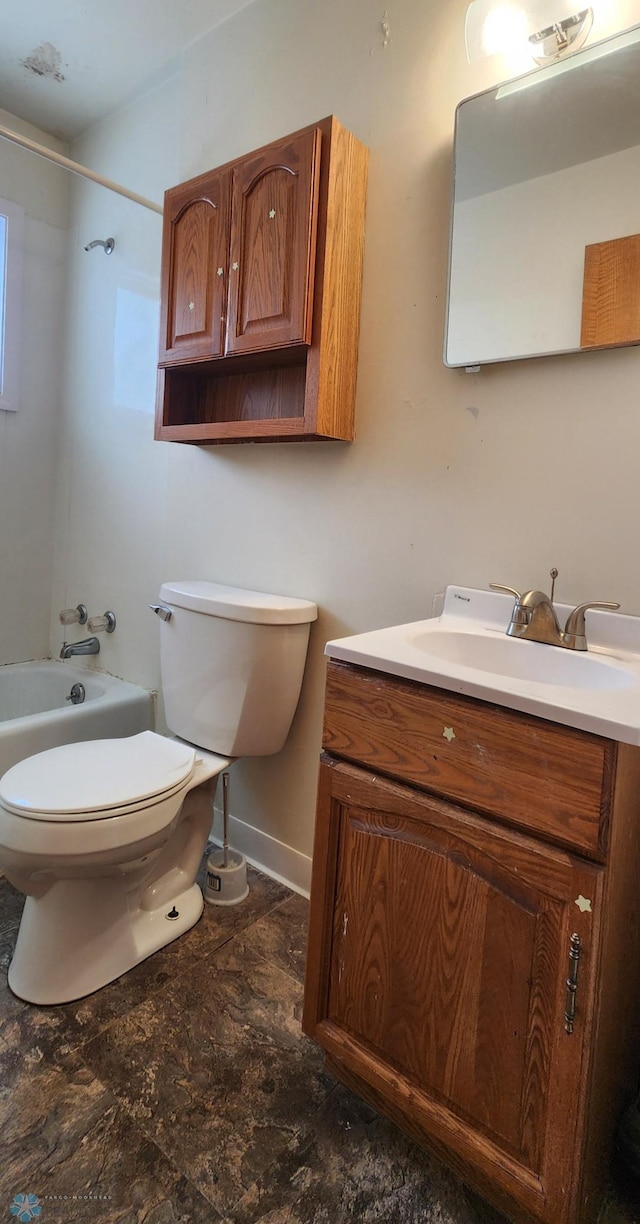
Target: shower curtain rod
x=76, y=168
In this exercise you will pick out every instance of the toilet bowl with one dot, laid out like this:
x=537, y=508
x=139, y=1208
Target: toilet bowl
x=105, y=837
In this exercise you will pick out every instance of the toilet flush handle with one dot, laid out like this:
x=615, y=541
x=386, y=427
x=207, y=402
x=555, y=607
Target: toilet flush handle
x=162, y=611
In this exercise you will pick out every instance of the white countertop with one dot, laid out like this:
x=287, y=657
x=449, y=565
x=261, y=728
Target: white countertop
x=597, y=690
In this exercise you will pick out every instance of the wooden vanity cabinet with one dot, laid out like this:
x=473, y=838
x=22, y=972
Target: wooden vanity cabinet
x=260, y=298
x=451, y=892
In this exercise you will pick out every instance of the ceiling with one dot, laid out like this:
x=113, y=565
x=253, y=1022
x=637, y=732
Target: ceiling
x=64, y=64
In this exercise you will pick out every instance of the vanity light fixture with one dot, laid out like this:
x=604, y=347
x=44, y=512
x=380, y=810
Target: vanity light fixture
x=542, y=29
x=555, y=68
x=570, y=34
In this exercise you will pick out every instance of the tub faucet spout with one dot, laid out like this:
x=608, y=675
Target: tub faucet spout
x=89, y=646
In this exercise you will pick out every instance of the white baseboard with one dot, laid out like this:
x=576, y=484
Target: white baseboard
x=269, y=855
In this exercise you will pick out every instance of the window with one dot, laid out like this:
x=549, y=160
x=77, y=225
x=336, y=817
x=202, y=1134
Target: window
x=11, y=226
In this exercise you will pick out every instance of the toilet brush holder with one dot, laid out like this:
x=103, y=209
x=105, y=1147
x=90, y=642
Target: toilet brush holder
x=226, y=881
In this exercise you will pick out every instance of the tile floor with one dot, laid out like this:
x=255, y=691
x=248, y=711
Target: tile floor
x=186, y=1091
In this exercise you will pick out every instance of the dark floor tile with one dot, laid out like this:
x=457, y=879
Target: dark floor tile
x=216, y=1070
x=66, y=1140
x=84, y=1019
x=482, y=1212
x=44, y=1111
x=281, y=936
x=31, y=1034
x=9, y=1004
x=11, y=905
x=349, y=1164
x=220, y=922
x=34, y=1034
x=622, y=1201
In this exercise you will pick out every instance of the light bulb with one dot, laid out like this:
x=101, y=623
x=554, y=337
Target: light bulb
x=505, y=29
x=495, y=27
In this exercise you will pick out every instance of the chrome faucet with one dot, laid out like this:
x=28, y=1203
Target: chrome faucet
x=89, y=646
x=534, y=618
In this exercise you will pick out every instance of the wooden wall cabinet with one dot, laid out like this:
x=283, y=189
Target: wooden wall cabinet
x=260, y=300
x=464, y=854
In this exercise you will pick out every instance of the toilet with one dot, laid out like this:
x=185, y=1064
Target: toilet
x=106, y=837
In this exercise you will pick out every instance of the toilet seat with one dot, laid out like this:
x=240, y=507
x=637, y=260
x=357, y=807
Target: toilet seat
x=97, y=779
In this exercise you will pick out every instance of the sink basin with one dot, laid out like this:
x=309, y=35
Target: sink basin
x=465, y=649
x=530, y=661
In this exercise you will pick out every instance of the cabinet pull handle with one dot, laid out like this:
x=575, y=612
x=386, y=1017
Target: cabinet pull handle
x=575, y=949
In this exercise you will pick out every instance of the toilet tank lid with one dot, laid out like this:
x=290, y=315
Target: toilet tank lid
x=235, y=603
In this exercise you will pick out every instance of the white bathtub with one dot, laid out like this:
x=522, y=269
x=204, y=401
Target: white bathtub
x=35, y=715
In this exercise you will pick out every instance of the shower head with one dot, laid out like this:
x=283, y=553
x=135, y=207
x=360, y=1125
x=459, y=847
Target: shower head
x=106, y=246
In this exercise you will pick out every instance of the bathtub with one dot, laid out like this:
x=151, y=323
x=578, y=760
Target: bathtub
x=35, y=715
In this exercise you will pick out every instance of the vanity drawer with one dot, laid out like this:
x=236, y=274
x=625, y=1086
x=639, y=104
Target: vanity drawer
x=540, y=776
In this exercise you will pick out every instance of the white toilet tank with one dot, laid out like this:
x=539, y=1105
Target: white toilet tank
x=232, y=664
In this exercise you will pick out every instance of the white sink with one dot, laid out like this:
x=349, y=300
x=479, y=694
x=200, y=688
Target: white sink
x=509, y=657
x=466, y=650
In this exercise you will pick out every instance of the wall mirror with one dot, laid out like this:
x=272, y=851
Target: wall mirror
x=545, y=233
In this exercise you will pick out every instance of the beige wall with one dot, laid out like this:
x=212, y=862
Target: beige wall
x=453, y=478
x=29, y=437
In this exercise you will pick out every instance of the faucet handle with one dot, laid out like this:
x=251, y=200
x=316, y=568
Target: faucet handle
x=73, y=616
x=497, y=586
x=575, y=629
x=97, y=624
x=520, y=616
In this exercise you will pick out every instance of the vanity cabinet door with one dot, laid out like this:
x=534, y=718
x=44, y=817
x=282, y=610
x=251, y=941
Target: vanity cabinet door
x=195, y=253
x=438, y=958
x=273, y=240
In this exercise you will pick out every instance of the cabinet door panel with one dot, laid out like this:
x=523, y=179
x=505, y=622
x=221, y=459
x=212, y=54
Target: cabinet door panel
x=195, y=255
x=448, y=957
x=273, y=235
x=441, y=998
